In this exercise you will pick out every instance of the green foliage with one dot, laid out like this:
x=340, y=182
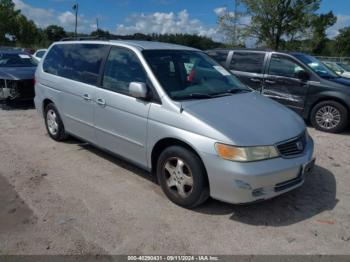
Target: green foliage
x=342, y=42
x=27, y=32
x=278, y=24
x=54, y=33
x=319, y=25
x=8, y=21
x=100, y=33
x=274, y=20
x=230, y=24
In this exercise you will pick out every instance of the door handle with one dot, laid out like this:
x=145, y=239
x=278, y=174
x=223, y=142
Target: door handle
x=270, y=81
x=86, y=97
x=255, y=80
x=101, y=101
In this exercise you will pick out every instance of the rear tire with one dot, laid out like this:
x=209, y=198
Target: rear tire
x=329, y=116
x=54, y=124
x=182, y=177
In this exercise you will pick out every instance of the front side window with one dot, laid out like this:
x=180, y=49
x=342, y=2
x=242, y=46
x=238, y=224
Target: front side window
x=16, y=60
x=251, y=62
x=284, y=66
x=79, y=62
x=316, y=66
x=191, y=74
x=122, y=68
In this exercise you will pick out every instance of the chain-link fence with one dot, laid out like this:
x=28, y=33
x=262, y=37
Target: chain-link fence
x=345, y=60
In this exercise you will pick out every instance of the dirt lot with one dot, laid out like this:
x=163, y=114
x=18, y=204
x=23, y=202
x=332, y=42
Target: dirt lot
x=69, y=198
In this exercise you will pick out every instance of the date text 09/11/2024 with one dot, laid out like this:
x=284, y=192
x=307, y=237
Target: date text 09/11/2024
x=173, y=258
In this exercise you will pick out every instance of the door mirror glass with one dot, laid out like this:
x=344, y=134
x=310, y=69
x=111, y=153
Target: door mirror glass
x=138, y=90
x=303, y=76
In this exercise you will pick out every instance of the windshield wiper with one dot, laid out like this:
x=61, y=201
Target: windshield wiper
x=194, y=96
x=232, y=91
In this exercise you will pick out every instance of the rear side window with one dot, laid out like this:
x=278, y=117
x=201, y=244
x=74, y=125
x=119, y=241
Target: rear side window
x=250, y=62
x=219, y=56
x=79, y=62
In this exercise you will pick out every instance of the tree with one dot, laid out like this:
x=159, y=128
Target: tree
x=100, y=33
x=27, y=32
x=319, y=25
x=342, y=42
x=230, y=23
x=274, y=20
x=54, y=33
x=8, y=20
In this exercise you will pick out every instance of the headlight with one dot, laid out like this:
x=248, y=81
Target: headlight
x=245, y=154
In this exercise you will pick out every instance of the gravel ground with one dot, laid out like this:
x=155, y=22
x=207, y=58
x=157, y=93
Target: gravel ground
x=70, y=198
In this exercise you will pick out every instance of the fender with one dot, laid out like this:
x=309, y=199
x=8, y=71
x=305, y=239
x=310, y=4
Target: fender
x=313, y=99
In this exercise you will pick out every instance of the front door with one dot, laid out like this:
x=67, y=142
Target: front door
x=121, y=120
x=281, y=82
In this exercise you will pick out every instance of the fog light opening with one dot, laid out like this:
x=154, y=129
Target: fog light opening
x=258, y=192
x=243, y=185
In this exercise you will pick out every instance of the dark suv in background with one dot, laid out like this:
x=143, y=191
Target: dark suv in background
x=296, y=80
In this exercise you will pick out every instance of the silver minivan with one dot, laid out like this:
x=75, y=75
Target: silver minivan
x=175, y=112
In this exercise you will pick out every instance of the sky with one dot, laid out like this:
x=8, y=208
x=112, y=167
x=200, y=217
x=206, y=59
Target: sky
x=150, y=16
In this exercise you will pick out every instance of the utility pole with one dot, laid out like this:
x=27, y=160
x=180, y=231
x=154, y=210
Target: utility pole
x=76, y=7
x=97, y=23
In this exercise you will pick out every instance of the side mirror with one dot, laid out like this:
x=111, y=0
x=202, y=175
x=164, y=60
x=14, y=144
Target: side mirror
x=303, y=76
x=138, y=90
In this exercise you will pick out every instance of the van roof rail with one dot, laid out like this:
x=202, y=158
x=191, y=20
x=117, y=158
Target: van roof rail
x=82, y=38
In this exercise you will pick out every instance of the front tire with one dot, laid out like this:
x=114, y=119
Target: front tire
x=329, y=116
x=54, y=124
x=182, y=177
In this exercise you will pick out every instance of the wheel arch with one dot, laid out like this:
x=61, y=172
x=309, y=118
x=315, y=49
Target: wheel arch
x=46, y=101
x=329, y=97
x=164, y=143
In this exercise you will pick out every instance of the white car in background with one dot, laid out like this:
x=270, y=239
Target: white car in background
x=337, y=68
x=39, y=54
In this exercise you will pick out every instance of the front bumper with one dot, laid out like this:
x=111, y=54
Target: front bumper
x=238, y=183
x=17, y=89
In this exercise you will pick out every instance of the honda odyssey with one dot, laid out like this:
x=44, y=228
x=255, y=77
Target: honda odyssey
x=174, y=111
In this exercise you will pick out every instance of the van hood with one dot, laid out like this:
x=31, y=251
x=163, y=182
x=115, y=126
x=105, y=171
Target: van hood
x=247, y=119
x=341, y=80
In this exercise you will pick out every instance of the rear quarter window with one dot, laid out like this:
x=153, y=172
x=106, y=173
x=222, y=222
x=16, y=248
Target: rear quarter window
x=79, y=62
x=250, y=62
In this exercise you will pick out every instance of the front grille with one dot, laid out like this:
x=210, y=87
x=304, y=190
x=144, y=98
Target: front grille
x=293, y=147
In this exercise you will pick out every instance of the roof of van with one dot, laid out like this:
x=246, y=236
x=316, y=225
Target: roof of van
x=142, y=45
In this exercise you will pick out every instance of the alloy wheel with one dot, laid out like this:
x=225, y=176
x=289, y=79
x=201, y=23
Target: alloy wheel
x=51, y=119
x=328, y=117
x=179, y=177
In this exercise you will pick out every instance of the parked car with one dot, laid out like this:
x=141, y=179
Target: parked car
x=344, y=66
x=17, y=69
x=337, y=69
x=174, y=111
x=38, y=55
x=296, y=80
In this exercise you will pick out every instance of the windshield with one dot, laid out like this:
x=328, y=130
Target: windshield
x=16, y=60
x=344, y=66
x=191, y=75
x=316, y=66
x=334, y=67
